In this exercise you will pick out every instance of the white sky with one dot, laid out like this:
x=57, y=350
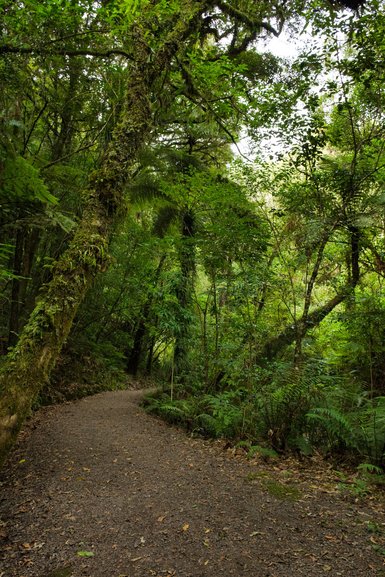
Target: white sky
x=282, y=47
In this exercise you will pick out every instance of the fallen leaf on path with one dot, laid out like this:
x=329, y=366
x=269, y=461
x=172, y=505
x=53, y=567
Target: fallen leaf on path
x=185, y=527
x=139, y=542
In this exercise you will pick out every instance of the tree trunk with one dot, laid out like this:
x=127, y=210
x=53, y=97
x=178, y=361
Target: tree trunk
x=13, y=325
x=184, y=289
x=47, y=330
x=289, y=334
x=136, y=353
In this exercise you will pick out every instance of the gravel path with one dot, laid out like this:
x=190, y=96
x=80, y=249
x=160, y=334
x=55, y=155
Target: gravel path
x=98, y=488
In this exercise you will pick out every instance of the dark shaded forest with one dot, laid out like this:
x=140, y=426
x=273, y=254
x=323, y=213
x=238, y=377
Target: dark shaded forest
x=180, y=204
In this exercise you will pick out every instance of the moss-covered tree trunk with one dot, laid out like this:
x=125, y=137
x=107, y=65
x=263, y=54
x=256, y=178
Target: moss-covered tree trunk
x=35, y=355
x=44, y=335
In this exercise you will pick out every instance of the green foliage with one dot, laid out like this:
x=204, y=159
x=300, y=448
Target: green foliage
x=6, y=250
x=362, y=345
x=177, y=411
x=209, y=415
x=20, y=181
x=222, y=416
x=336, y=424
x=361, y=430
x=369, y=468
x=282, y=408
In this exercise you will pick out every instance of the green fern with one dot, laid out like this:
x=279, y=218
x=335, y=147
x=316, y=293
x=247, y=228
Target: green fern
x=369, y=468
x=179, y=411
x=208, y=425
x=283, y=411
x=22, y=181
x=227, y=414
x=371, y=424
x=337, y=425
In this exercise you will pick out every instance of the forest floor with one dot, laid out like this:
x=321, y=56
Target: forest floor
x=98, y=488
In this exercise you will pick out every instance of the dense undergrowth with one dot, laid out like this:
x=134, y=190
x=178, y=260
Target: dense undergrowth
x=292, y=410
x=81, y=373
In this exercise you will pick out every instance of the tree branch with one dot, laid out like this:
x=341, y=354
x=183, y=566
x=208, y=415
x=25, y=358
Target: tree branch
x=289, y=334
x=8, y=49
x=84, y=147
x=240, y=16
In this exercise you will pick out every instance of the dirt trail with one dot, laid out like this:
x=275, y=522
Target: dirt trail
x=97, y=488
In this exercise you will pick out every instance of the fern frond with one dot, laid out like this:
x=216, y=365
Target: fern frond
x=335, y=423
x=145, y=188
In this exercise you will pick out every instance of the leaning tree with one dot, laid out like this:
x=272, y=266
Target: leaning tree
x=169, y=51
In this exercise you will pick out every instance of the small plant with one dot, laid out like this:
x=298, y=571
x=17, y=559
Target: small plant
x=225, y=412
x=177, y=411
x=370, y=469
x=283, y=405
x=379, y=549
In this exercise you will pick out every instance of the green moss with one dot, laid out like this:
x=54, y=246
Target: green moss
x=262, y=451
x=281, y=491
x=255, y=475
